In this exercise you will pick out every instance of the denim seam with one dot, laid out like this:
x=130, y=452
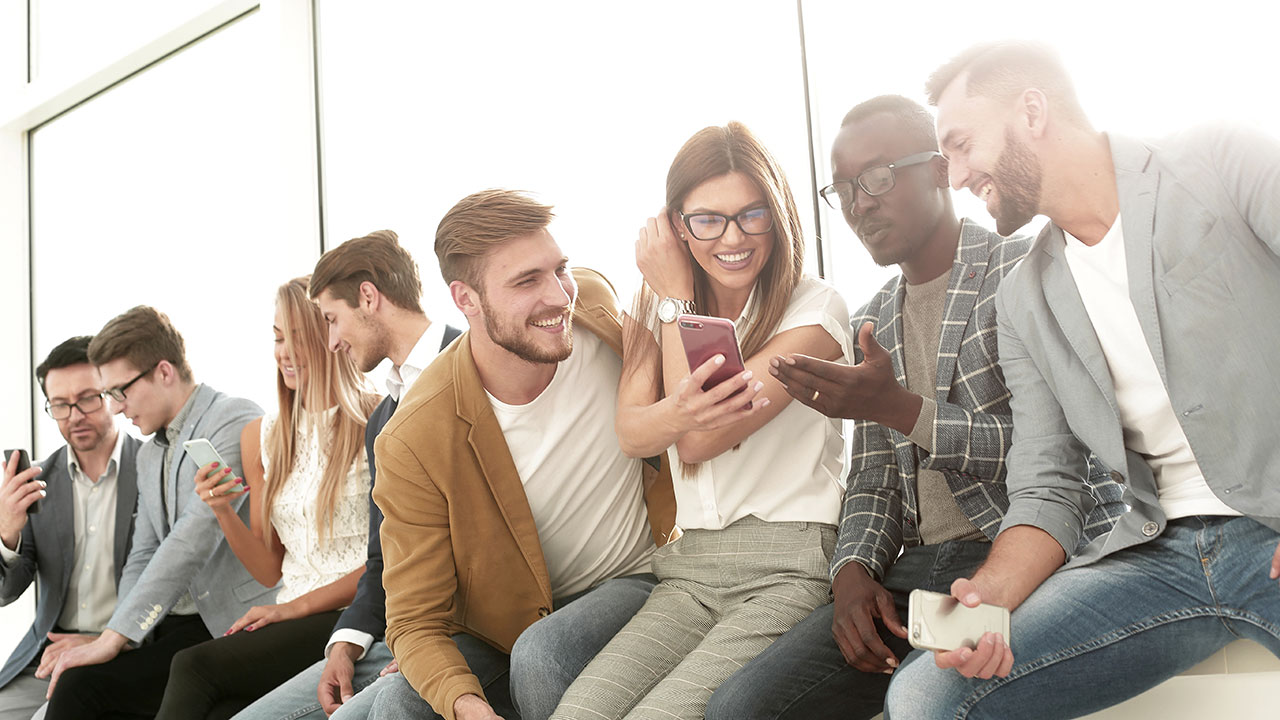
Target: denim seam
x=1020, y=671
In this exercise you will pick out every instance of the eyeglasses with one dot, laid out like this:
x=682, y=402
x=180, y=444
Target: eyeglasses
x=117, y=393
x=874, y=181
x=710, y=226
x=86, y=405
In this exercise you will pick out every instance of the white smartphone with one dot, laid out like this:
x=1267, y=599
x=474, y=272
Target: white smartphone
x=939, y=622
x=203, y=452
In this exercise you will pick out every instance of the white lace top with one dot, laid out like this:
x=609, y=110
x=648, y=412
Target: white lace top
x=309, y=562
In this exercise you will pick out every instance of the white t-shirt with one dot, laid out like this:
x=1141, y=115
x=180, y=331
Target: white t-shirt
x=1151, y=428
x=587, y=497
x=793, y=468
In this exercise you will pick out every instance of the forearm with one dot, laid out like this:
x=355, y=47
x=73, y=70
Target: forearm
x=645, y=430
x=1021, y=558
x=336, y=594
x=261, y=562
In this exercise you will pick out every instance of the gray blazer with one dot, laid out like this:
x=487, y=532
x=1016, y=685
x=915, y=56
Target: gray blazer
x=184, y=550
x=48, y=548
x=1201, y=217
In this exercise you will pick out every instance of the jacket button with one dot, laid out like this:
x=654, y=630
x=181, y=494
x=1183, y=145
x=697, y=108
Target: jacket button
x=543, y=612
x=1116, y=476
x=1150, y=528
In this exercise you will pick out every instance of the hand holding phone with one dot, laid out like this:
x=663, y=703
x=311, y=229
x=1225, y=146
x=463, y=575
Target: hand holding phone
x=705, y=337
x=30, y=485
x=939, y=622
x=203, y=452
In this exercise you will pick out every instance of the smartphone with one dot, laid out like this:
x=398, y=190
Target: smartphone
x=24, y=463
x=203, y=452
x=704, y=338
x=939, y=622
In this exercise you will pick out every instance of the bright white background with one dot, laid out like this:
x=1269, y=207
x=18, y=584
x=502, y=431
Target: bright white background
x=195, y=185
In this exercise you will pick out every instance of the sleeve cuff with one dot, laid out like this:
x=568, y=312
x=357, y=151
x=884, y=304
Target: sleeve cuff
x=922, y=433
x=1062, y=524
x=7, y=556
x=355, y=637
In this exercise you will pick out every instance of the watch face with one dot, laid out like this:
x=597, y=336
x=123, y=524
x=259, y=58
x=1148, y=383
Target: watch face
x=667, y=310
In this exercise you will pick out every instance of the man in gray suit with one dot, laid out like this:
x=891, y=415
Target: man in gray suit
x=77, y=544
x=182, y=584
x=1142, y=325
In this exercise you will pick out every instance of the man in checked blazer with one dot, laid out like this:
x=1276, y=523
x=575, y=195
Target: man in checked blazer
x=932, y=424
x=181, y=584
x=75, y=547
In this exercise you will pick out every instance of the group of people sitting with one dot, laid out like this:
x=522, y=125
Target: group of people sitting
x=552, y=514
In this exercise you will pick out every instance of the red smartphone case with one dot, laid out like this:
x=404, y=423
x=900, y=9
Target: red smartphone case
x=703, y=338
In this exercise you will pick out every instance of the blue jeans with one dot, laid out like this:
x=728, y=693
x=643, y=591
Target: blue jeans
x=546, y=658
x=1093, y=636
x=803, y=675
x=296, y=697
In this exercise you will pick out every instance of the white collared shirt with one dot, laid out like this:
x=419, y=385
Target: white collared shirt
x=423, y=352
x=91, y=590
x=1150, y=426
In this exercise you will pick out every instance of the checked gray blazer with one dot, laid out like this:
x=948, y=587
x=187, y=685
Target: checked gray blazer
x=973, y=430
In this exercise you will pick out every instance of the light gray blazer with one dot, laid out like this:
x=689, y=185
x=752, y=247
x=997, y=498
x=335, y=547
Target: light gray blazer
x=1201, y=219
x=49, y=545
x=184, y=550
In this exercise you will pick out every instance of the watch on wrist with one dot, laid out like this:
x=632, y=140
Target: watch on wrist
x=671, y=308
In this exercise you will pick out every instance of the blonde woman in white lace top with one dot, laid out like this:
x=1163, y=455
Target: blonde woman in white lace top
x=308, y=481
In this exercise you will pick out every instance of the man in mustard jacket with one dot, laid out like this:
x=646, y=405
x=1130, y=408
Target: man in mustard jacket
x=505, y=492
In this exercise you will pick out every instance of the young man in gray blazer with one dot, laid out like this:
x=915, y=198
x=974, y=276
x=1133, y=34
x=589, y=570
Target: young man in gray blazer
x=77, y=544
x=182, y=584
x=1142, y=325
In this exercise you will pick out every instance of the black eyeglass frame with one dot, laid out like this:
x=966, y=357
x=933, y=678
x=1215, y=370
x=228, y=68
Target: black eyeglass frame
x=49, y=407
x=117, y=393
x=727, y=218
x=908, y=161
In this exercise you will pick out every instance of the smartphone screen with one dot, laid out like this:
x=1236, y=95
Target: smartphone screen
x=704, y=338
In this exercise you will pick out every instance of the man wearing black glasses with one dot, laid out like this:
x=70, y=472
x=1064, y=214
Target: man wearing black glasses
x=181, y=583
x=932, y=423
x=76, y=543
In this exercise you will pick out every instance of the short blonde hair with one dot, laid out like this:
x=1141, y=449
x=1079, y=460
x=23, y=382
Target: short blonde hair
x=480, y=222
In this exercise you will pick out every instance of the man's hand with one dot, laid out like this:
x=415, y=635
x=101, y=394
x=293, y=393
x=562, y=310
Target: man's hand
x=335, y=680
x=866, y=391
x=473, y=707
x=18, y=491
x=58, y=644
x=859, y=600
x=105, y=648
x=991, y=657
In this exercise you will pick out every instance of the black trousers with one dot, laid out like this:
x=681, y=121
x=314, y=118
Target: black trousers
x=131, y=685
x=218, y=678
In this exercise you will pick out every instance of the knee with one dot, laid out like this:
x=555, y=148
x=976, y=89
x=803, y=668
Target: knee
x=730, y=701
x=536, y=651
x=920, y=690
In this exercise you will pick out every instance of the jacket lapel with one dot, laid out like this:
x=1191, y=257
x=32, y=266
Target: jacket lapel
x=203, y=399
x=967, y=276
x=1137, y=187
x=63, y=513
x=126, y=502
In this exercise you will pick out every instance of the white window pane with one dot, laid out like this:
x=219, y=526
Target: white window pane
x=160, y=192
x=71, y=36
x=583, y=103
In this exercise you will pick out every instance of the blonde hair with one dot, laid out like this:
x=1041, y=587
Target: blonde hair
x=332, y=379
x=480, y=222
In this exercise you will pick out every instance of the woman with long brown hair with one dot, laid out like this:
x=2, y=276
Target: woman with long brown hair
x=758, y=478
x=308, y=485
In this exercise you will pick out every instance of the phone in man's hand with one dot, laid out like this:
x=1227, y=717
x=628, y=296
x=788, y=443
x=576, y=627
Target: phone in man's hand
x=939, y=622
x=24, y=463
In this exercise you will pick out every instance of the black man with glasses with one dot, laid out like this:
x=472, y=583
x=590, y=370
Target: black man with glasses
x=75, y=546
x=931, y=424
x=181, y=584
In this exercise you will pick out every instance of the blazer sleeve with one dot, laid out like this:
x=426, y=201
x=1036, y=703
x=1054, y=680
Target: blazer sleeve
x=871, y=521
x=165, y=568
x=1248, y=166
x=421, y=578
x=1047, y=463
x=16, y=577
x=368, y=610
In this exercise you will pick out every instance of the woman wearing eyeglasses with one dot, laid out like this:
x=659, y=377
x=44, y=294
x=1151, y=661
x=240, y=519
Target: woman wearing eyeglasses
x=309, y=521
x=757, y=477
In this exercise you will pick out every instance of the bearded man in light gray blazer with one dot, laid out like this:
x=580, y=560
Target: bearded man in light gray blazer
x=1142, y=325
x=182, y=583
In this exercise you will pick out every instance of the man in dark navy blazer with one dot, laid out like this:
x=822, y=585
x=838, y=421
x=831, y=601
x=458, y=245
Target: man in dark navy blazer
x=394, y=328
x=77, y=544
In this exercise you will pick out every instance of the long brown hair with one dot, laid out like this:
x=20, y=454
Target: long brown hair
x=331, y=379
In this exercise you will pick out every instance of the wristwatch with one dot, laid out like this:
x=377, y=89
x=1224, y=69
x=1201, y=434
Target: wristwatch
x=671, y=308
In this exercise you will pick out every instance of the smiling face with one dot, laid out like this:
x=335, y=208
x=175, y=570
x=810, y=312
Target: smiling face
x=894, y=226
x=85, y=432
x=986, y=154
x=526, y=298
x=354, y=330
x=290, y=372
x=733, y=261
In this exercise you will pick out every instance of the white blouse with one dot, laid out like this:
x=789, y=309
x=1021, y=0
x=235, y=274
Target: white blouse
x=310, y=562
x=793, y=468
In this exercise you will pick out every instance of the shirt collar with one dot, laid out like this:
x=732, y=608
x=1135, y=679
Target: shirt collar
x=423, y=352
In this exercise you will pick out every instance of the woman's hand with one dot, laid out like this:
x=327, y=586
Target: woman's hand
x=261, y=616
x=724, y=404
x=217, y=488
x=663, y=259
